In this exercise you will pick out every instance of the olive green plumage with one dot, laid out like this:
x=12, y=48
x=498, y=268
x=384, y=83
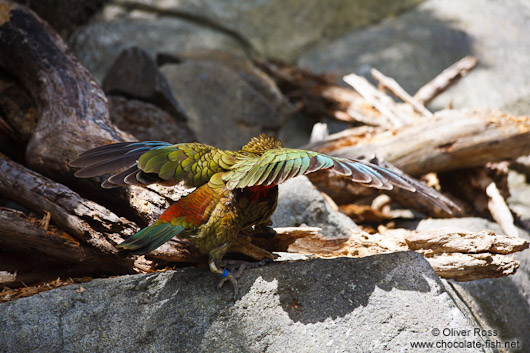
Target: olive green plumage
x=236, y=191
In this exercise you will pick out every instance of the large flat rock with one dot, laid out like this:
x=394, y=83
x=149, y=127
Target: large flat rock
x=417, y=45
x=98, y=44
x=282, y=28
x=375, y=304
x=226, y=98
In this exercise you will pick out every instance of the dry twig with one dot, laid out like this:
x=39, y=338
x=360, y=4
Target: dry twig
x=396, y=88
x=379, y=100
x=447, y=77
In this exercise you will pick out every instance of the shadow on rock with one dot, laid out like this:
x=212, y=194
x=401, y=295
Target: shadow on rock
x=317, y=290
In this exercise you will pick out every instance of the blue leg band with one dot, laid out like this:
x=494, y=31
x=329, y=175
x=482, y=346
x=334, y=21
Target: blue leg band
x=225, y=273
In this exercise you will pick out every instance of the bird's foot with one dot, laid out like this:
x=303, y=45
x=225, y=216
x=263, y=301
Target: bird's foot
x=233, y=270
x=226, y=276
x=232, y=277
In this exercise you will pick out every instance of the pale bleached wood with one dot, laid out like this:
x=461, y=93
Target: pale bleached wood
x=445, y=79
x=461, y=255
x=351, y=106
x=392, y=85
x=379, y=100
x=7, y=277
x=447, y=240
x=499, y=210
x=455, y=139
x=470, y=267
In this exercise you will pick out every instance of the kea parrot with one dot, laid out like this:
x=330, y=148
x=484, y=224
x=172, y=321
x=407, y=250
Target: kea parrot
x=236, y=191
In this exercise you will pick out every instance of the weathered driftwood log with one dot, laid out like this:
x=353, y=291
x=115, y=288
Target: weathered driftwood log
x=21, y=233
x=447, y=241
x=454, y=139
x=89, y=223
x=36, y=252
x=72, y=108
x=469, y=267
x=460, y=255
x=18, y=117
x=466, y=256
x=18, y=108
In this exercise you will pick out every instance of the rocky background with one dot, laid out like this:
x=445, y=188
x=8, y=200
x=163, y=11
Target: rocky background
x=186, y=71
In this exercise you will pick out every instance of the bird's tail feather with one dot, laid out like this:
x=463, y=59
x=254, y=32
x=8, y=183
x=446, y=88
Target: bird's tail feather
x=150, y=238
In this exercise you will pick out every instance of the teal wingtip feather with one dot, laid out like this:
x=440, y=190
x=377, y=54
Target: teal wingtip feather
x=150, y=238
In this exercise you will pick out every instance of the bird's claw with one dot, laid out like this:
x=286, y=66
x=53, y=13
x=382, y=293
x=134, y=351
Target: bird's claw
x=232, y=280
x=233, y=269
x=232, y=277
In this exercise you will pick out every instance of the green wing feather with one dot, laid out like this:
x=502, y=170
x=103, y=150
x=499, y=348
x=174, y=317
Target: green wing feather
x=153, y=161
x=278, y=165
x=194, y=163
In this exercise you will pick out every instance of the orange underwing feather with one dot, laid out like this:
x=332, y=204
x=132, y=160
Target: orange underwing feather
x=193, y=208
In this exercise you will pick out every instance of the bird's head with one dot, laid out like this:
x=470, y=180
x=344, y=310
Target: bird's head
x=261, y=144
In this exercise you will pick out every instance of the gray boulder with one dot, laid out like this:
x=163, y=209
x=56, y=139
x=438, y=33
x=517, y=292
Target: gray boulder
x=381, y=303
x=98, y=44
x=416, y=46
x=283, y=28
x=147, y=122
x=226, y=98
x=300, y=203
x=135, y=74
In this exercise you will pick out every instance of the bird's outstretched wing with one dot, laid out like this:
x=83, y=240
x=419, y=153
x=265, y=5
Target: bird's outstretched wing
x=278, y=165
x=153, y=161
